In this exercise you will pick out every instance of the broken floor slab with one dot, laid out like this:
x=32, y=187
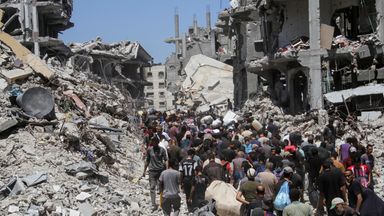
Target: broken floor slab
x=16, y=74
x=87, y=210
x=35, y=179
x=6, y=124
x=340, y=96
x=26, y=56
x=369, y=116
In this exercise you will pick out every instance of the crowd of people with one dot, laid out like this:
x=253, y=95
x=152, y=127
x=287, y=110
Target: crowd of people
x=290, y=174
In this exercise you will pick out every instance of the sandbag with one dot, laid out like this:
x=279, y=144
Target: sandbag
x=225, y=196
x=257, y=125
x=206, y=120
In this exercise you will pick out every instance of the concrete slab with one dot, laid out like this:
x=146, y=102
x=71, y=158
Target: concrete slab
x=16, y=74
x=6, y=124
x=87, y=210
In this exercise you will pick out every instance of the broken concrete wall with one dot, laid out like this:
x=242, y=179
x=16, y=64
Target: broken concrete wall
x=37, y=24
x=117, y=63
x=208, y=80
x=296, y=21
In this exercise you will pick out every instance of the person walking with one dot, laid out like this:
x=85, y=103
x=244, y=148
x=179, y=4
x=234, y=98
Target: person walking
x=156, y=163
x=248, y=190
x=169, y=187
x=187, y=169
x=297, y=208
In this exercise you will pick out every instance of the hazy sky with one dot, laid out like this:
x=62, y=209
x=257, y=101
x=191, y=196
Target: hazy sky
x=147, y=21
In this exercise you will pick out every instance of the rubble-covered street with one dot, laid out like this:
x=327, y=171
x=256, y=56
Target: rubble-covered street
x=279, y=104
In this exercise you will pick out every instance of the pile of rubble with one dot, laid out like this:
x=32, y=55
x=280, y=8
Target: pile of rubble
x=81, y=157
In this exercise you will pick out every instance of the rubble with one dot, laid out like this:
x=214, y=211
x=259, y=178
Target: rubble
x=86, y=156
x=208, y=83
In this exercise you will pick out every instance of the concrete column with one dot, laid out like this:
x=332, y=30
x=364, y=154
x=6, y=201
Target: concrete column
x=208, y=19
x=27, y=19
x=380, y=14
x=315, y=90
x=314, y=24
x=35, y=33
x=184, y=45
x=177, y=33
x=195, y=27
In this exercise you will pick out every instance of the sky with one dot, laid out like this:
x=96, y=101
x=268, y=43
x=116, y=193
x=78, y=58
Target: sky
x=148, y=22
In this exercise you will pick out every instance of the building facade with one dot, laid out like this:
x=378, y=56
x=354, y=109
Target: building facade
x=156, y=94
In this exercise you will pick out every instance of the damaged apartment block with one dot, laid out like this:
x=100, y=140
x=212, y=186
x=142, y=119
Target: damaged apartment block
x=37, y=23
x=302, y=49
x=121, y=64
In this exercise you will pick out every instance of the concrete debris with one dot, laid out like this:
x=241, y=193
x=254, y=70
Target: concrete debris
x=35, y=179
x=6, y=124
x=87, y=210
x=88, y=150
x=3, y=84
x=208, y=82
x=13, y=209
x=12, y=75
x=26, y=56
x=83, y=196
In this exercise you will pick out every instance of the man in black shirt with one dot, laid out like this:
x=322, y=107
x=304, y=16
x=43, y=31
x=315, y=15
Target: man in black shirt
x=355, y=192
x=331, y=185
x=199, y=186
x=187, y=169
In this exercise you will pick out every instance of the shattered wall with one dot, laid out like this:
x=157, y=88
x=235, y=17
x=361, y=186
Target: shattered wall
x=296, y=21
x=290, y=56
x=121, y=64
x=209, y=82
x=37, y=24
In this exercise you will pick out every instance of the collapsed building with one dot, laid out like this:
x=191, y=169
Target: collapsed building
x=121, y=64
x=300, y=49
x=198, y=46
x=208, y=84
x=296, y=50
x=69, y=134
x=38, y=23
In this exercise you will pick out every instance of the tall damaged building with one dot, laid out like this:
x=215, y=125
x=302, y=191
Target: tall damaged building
x=195, y=85
x=302, y=49
x=37, y=23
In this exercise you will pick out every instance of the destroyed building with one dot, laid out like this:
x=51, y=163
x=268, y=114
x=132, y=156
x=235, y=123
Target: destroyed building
x=38, y=23
x=198, y=43
x=121, y=64
x=198, y=40
x=302, y=49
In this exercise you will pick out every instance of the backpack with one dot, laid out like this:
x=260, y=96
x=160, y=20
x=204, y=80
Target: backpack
x=282, y=199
